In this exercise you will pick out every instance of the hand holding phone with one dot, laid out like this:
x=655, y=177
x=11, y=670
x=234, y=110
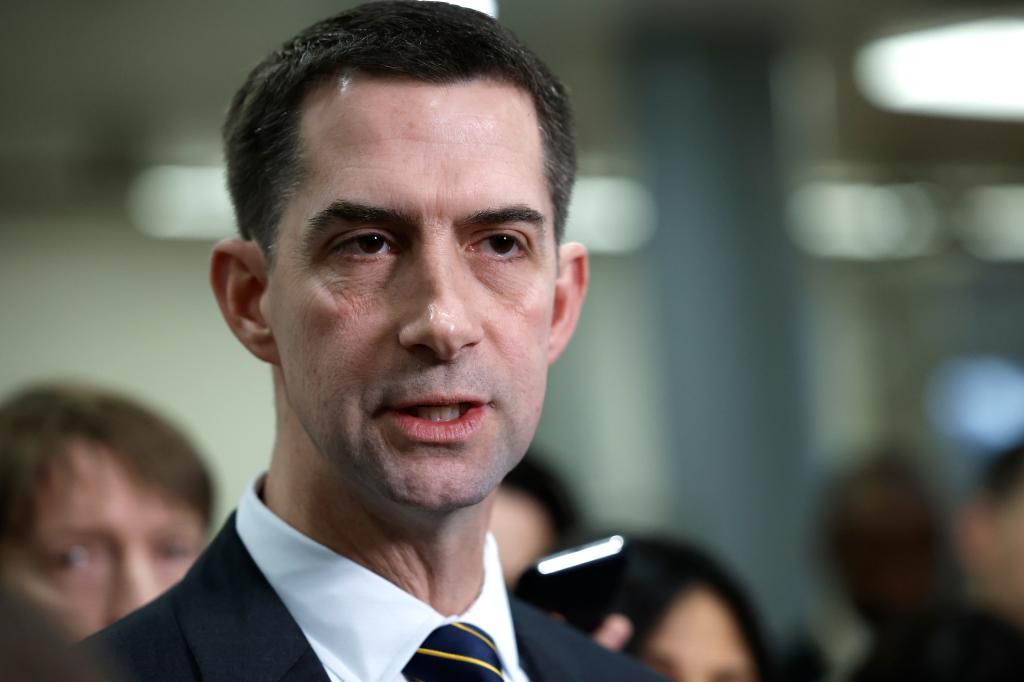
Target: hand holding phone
x=579, y=584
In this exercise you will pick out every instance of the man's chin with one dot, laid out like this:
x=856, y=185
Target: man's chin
x=435, y=485
x=439, y=504
x=440, y=497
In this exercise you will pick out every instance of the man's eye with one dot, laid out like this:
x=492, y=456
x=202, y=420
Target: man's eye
x=365, y=245
x=73, y=558
x=501, y=245
x=175, y=551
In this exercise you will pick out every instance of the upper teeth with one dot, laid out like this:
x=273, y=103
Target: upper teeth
x=437, y=413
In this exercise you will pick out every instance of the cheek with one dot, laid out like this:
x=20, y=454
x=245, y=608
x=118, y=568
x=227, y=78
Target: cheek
x=514, y=283
x=170, y=572
x=521, y=340
x=329, y=327
x=521, y=311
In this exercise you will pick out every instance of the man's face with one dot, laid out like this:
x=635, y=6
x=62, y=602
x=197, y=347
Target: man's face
x=102, y=544
x=992, y=549
x=699, y=640
x=413, y=294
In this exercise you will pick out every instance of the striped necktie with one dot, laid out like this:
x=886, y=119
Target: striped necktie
x=457, y=652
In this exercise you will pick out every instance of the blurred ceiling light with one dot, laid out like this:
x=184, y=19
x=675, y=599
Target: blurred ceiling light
x=994, y=222
x=607, y=214
x=611, y=214
x=863, y=222
x=978, y=401
x=489, y=7
x=181, y=202
x=969, y=69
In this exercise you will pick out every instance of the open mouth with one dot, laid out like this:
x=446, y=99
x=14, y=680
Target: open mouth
x=438, y=413
x=440, y=420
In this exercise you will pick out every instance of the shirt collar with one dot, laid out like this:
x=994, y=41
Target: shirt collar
x=361, y=626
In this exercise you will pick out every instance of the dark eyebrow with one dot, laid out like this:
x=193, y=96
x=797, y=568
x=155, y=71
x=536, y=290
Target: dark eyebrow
x=350, y=212
x=507, y=214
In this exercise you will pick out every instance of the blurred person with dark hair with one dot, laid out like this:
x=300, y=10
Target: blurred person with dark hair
x=103, y=504
x=884, y=539
x=401, y=174
x=882, y=542
x=957, y=645
x=990, y=536
x=692, y=621
x=533, y=515
x=34, y=649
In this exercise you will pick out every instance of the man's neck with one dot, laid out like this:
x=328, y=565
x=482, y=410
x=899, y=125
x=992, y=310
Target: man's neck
x=437, y=558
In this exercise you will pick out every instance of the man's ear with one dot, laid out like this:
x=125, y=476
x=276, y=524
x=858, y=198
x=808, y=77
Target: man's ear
x=570, y=289
x=238, y=275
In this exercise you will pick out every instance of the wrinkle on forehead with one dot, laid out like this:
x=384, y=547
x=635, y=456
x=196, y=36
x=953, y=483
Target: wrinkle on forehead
x=362, y=109
x=415, y=146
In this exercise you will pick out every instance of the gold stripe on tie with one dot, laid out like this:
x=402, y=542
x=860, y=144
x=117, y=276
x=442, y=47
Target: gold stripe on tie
x=458, y=657
x=473, y=632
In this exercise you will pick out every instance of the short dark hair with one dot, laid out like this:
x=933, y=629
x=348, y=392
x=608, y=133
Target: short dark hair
x=953, y=644
x=434, y=42
x=1002, y=475
x=659, y=570
x=38, y=424
x=532, y=478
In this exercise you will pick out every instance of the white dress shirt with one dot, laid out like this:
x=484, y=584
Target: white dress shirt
x=362, y=627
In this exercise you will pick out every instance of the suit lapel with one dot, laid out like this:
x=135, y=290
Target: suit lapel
x=307, y=668
x=236, y=626
x=541, y=661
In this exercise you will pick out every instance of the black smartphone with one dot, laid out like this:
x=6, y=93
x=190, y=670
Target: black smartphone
x=580, y=584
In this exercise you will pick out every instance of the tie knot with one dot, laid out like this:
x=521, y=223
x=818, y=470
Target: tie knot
x=457, y=652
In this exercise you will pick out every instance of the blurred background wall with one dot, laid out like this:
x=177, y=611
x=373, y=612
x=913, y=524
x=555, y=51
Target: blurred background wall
x=786, y=273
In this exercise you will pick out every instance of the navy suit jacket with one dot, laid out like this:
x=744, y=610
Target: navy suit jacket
x=224, y=622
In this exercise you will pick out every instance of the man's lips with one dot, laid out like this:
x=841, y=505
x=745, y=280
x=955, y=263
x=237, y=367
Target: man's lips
x=438, y=413
x=449, y=419
x=430, y=404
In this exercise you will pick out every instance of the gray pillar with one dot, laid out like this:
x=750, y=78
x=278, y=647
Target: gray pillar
x=729, y=312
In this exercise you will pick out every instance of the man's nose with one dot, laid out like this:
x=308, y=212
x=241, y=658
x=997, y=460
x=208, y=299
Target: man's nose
x=136, y=583
x=440, y=313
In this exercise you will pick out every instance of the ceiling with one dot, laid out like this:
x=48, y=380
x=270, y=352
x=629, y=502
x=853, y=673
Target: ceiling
x=95, y=90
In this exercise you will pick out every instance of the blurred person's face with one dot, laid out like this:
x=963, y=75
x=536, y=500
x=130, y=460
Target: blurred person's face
x=992, y=551
x=102, y=545
x=415, y=300
x=699, y=640
x=885, y=550
x=522, y=529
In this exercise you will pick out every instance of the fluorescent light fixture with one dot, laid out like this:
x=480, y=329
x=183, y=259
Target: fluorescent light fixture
x=612, y=215
x=578, y=557
x=860, y=221
x=994, y=222
x=181, y=202
x=486, y=6
x=970, y=69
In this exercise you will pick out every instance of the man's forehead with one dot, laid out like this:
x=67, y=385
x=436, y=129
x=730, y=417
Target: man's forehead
x=451, y=149
x=363, y=107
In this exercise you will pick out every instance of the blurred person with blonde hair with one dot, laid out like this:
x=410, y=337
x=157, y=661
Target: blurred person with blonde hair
x=103, y=504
